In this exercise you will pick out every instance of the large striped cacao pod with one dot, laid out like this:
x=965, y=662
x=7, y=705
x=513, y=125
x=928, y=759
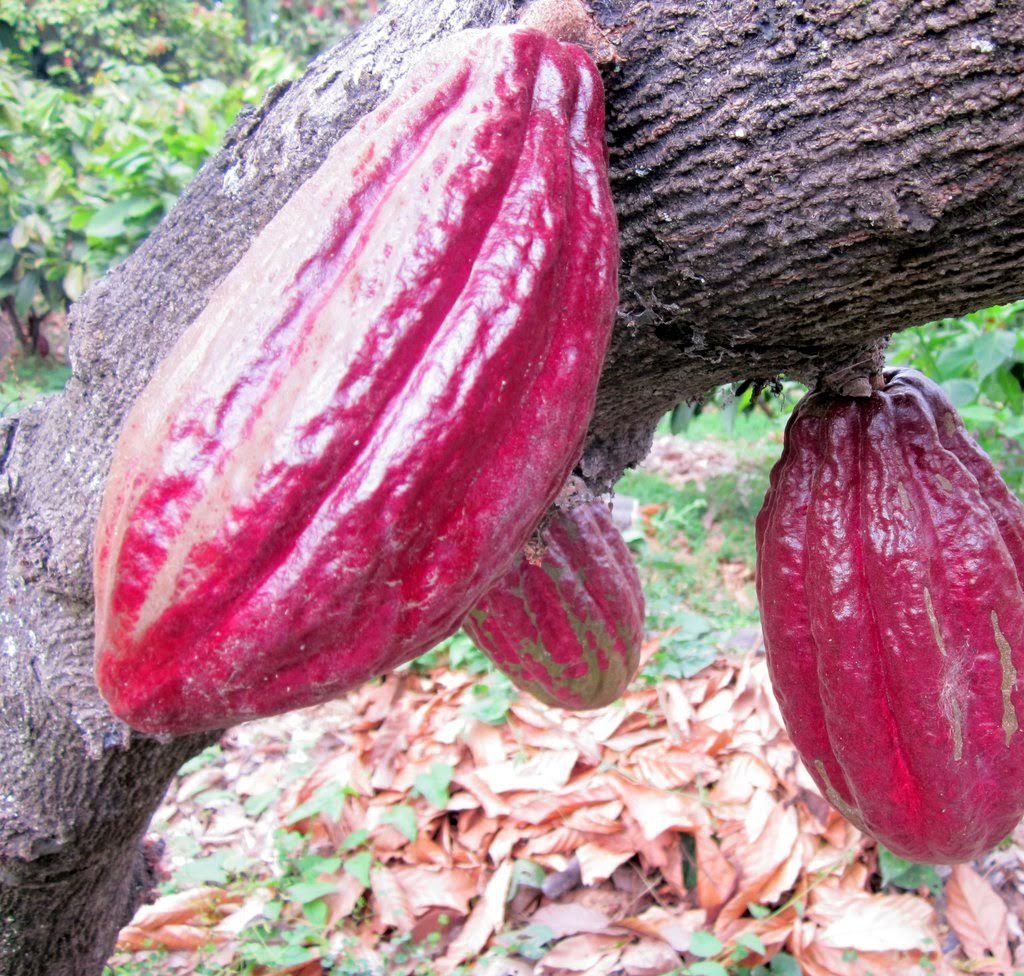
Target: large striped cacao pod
x=368, y=419
x=893, y=616
x=568, y=628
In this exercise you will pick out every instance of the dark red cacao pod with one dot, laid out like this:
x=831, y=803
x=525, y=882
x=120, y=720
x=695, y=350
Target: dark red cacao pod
x=378, y=403
x=893, y=618
x=567, y=629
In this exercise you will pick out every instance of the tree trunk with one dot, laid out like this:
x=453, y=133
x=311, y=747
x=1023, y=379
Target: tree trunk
x=793, y=180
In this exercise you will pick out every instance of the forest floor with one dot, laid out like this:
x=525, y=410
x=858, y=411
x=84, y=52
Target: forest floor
x=437, y=822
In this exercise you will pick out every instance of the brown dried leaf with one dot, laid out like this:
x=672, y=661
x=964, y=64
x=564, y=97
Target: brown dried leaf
x=977, y=915
x=180, y=907
x=586, y=953
x=671, y=768
x=343, y=900
x=165, y=937
x=821, y=960
x=427, y=887
x=742, y=774
x=674, y=928
x=716, y=877
x=871, y=922
x=493, y=805
x=487, y=916
x=571, y=919
x=598, y=818
x=649, y=957
x=391, y=906
x=542, y=772
x=677, y=708
x=591, y=790
x=560, y=840
x=656, y=811
x=598, y=859
x=758, y=851
x=486, y=743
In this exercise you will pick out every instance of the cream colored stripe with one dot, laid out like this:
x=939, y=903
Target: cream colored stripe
x=1009, y=679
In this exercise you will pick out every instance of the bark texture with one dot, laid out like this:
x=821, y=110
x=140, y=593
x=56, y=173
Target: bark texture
x=794, y=180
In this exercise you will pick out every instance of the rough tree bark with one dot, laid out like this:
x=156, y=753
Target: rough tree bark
x=794, y=179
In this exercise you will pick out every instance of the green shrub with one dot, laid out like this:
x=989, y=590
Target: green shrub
x=302, y=27
x=979, y=360
x=68, y=41
x=85, y=177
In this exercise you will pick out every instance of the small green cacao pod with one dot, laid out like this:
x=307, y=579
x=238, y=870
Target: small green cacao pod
x=567, y=629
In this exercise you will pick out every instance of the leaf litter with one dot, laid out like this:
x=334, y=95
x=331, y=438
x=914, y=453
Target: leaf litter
x=598, y=842
x=396, y=832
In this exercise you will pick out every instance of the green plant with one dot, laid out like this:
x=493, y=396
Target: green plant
x=85, y=177
x=69, y=41
x=302, y=27
x=491, y=699
x=979, y=360
x=907, y=875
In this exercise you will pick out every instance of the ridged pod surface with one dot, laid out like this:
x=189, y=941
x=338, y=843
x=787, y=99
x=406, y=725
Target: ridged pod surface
x=567, y=629
x=381, y=399
x=893, y=618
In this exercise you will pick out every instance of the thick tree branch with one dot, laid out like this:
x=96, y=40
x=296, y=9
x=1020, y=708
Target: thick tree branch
x=797, y=180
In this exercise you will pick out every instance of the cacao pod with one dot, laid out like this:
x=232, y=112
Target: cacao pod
x=379, y=402
x=888, y=553
x=568, y=628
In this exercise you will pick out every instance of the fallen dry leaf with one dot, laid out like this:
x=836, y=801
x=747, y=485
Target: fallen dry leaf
x=649, y=957
x=544, y=771
x=872, y=923
x=656, y=811
x=570, y=919
x=586, y=953
x=166, y=937
x=716, y=877
x=597, y=801
x=182, y=906
x=673, y=928
x=391, y=906
x=977, y=915
x=486, y=918
x=599, y=858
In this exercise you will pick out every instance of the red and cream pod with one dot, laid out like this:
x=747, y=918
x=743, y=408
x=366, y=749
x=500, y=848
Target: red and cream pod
x=888, y=553
x=380, y=400
x=568, y=627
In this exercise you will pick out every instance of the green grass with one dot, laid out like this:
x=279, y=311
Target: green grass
x=694, y=538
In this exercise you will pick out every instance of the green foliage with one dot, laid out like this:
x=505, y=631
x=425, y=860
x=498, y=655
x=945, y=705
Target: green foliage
x=402, y=817
x=328, y=801
x=687, y=605
x=85, y=177
x=458, y=652
x=906, y=874
x=705, y=944
x=23, y=378
x=302, y=27
x=434, y=785
x=492, y=698
x=69, y=41
x=979, y=360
